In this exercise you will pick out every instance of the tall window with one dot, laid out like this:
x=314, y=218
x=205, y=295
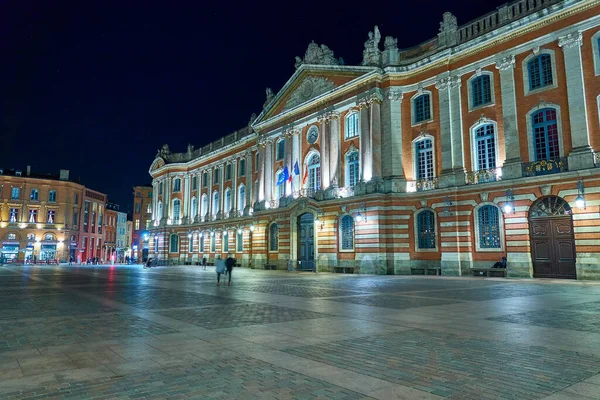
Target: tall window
x=424, y=149
x=148, y=224
x=280, y=149
x=228, y=172
x=352, y=172
x=256, y=161
x=489, y=227
x=33, y=214
x=176, y=210
x=273, y=237
x=213, y=243
x=15, y=193
x=347, y=232
x=137, y=224
x=216, y=176
x=138, y=208
x=50, y=216
x=148, y=208
x=160, y=188
x=225, y=242
x=14, y=215
x=242, y=167
x=545, y=135
x=76, y=200
x=481, y=90
x=86, y=215
x=240, y=242
x=241, y=197
x=540, y=71
x=201, y=243
x=426, y=230
x=422, y=108
x=205, y=179
x=227, y=200
x=194, y=207
x=352, y=125
x=160, y=210
x=204, y=205
x=174, y=245
x=34, y=194
x=194, y=182
x=314, y=174
x=280, y=186
x=75, y=218
x=215, y=203
x=486, y=147
x=52, y=196
x=191, y=244
x=177, y=185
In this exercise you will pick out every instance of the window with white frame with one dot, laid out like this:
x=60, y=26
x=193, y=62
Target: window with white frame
x=34, y=194
x=545, y=134
x=216, y=176
x=176, y=210
x=314, y=173
x=227, y=200
x=201, y=243
x=485, y=144
x=347, y=232
x=177, y=185
x=204, y=179
x=280, y=180
x=15, y=193
x=213, y=242
x=194, y=208
x=240, y=241
x=422, y=108
x=242, y=167
x=352, y=129
x=160, y=210
x=194, y=182
x=33, y=216
x=539, y=70
x=12, y=236
x=426, y=236
x=174, y=243
x=280, y=150
x=215, y=203
x=204, y=205
x=352, y=169
x=596, y=52
x=481, y=91
x=241, y=197
x=225, y=242
x=424, y=159
x=228, y=172
x=13, y=215
x=52, y=196
x=50, y=216
x=488, y=219
x=273, y=237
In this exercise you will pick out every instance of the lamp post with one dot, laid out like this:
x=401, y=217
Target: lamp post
x=580, y=200
x=510, y=200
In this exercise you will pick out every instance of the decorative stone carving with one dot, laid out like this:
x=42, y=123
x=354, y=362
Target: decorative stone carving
x=484, y=196
x=505, y=63
x=344, y=208
x=369, y=97
x=371, y=53
x=164, y=152
x=310, y=87
x=574, y=39
x=448, y=82
x=190, y=149
x=423, y=203
x=395, y=94
x=482, y=119
x=536, y=50
x=252, y=119
x=317, y=55
x=546, y=190
x=270, y=95
x=262, y=141
x=478, y=71
x=390, y=43
x=448, y=35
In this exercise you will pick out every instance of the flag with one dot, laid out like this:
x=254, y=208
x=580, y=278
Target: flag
x=296, y=168
x=286, y=174
x=281, y=178
x=305, y=176
x=290, y=178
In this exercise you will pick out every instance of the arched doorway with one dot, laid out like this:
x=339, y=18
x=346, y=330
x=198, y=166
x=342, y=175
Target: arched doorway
x=552, y=239
x=306, y=241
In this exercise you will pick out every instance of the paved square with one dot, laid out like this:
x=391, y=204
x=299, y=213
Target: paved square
x=129, y=333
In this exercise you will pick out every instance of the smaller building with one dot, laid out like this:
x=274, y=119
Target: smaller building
x=121, y=239
x=109, y=253
x=128, y=237
x=142, y=221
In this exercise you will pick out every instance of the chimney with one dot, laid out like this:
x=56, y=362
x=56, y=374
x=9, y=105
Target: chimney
x=29, y=170
x=64, y=174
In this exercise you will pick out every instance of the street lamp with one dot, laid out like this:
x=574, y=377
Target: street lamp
x=509, y=205
x=580, y=200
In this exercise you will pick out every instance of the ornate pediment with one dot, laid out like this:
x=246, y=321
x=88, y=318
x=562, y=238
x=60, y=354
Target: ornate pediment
x=158, y=163
x=309, y=88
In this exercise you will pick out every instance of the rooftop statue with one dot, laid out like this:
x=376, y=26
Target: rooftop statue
x=270, y=95
x=317, y=55
x=390, y=43
x=164, y=151
x=371, y=53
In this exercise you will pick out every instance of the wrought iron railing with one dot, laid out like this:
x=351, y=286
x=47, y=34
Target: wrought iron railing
x=304, y=193
x=274, y=203
x=597, y=159
x=545, y=167
x=344, y=192
x=483, y=176
x=422, y=185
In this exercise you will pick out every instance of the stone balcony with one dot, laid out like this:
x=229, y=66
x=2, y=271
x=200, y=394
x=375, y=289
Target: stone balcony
x=422, y=185
x=483, y=176
x=545, y=167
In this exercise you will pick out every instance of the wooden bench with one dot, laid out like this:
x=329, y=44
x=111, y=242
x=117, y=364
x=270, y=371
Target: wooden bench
x=270, y=266
x=425, y=270
x=489, y=272
x=344, y=270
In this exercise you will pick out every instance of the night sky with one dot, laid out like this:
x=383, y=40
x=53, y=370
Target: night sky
x=98, y=87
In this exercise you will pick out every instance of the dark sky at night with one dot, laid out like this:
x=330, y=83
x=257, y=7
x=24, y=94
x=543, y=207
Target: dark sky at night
x=98, y=87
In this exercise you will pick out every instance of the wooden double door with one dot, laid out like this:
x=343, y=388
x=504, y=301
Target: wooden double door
x=553, y=243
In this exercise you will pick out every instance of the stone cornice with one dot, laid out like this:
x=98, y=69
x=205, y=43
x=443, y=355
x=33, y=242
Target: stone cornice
x=570, y=40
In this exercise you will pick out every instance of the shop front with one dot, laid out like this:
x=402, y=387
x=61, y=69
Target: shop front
x=48, y=251
x=10, y=251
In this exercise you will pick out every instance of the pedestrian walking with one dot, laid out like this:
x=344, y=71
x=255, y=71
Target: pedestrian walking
x=204, y=263
x=71, y=260
x=229, y=263
x=221, y=268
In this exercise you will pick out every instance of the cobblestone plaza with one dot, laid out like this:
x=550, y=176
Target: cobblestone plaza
x=169, y=332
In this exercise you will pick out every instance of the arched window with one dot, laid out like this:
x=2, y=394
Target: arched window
x=540, y=71
x=424, y=159
x=280, y=182
x=280, y=149
x=352, y=125
x=422, y=108
x=352, y=171
x=201, y=242
x=204, y=205
x=174, y=245
x=227, y=200
x=242, y=167
x=273, y=237
x=239, y=241
x=489, y=227
x=177, y=185
x=191, y=244
x=176, y=209
x=160, y=210
x=241, y=197
x=215, y=203
x=194, y=210
x=225, y=242
x=347, y=232
x=426, y=230
x=481, y=90
x=545, y=135
x=485, y=143
x=314, y=173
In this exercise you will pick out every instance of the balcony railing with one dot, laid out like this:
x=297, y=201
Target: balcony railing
x=545, y=167
x=597, y=159
x=273, y=203
x=344, y=192
x=422, y=185
x=304, y=193
x=483, y=176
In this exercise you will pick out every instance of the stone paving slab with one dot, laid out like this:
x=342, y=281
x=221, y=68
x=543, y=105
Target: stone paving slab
x=48, y=306
x=296, y=291
x=158, y=299
x=563, y=319
x=393, y=301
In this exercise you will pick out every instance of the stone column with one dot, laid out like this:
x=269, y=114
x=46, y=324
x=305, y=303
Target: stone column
x=154, y=201
x=375, y=136
x=453, y=171
x=391, y=142
x=511, y=168
x=249, y=182
x=167, y=198
x=324, y=137
x=334, y=148
x=581, y=156
x=260, y=196
x=296, y=159
x=268, y=171
x=366, y=171
x=198, y=197
x=221, y=192
x=234, y=191
x=186, y=198
x=288, y=161
x=210, y=193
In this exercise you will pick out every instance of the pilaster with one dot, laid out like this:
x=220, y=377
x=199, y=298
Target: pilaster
x=186, y=198
x=324, y=141
x=221, y=192
x=391, y=142
x=366, y=171
x=234, y=191
x=334, y=148
x=268, y=172
x=249, y=182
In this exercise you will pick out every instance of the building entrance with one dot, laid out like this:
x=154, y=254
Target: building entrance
x=306, y=248
x=552, y=239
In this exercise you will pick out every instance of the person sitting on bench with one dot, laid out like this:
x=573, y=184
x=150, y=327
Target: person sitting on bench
x=500, y=264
